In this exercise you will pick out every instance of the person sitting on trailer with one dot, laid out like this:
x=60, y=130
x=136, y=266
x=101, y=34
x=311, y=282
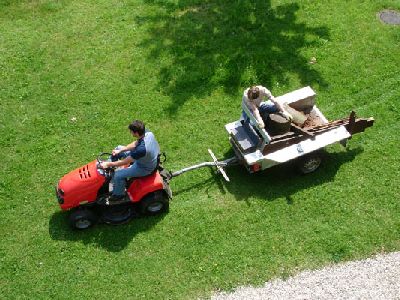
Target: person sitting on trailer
x=253, y=100
x=142, y=155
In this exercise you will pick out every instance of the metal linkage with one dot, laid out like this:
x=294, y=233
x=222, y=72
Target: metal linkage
x=219, y=164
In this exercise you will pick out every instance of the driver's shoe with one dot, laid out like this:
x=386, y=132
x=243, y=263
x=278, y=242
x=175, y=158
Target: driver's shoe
x=117, y=199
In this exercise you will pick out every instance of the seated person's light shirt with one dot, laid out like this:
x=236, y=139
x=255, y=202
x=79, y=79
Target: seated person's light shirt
x=254, y=104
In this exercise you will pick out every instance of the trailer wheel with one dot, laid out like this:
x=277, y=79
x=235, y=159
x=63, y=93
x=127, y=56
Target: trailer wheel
x=309, y=163
x=82, y=219
x=154, y=203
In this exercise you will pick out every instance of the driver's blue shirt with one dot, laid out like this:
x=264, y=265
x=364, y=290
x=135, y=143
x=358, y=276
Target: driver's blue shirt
x=146, y=152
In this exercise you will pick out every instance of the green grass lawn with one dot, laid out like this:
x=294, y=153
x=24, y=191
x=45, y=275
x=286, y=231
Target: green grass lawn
x=73, y=74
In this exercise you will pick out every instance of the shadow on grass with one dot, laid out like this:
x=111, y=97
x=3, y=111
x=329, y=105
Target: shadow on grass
x=24, y=8
x=283, y=180
x=277, y=182
x=204, y=45
x=114, y=238
x=205, y=184
x=271, y=184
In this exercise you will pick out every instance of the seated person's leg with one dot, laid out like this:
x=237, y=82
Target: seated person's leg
x=121, y=175
x=118, y=181
x=267, y=108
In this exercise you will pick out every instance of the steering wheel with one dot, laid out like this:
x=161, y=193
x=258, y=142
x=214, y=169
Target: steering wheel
x=101, y=158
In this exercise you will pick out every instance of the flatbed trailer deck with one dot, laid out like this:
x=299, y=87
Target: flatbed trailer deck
x=257, y=150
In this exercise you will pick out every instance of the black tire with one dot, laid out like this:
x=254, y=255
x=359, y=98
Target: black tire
x=309, y=163
x=154, y=203
x=81, y=219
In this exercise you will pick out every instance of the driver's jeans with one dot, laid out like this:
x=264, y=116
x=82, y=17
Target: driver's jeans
x=119, y=178
x=120, y=175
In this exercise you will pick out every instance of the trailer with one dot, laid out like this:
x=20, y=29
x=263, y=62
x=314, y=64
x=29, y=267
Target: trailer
x=258, y=148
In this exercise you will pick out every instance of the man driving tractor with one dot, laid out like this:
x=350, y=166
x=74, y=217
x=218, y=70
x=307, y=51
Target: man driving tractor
x=141, y=156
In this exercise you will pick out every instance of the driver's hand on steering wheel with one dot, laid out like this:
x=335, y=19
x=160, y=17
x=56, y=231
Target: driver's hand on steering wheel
x=116, y=152
x=105, y=164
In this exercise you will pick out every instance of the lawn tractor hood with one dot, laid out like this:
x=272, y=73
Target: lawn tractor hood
x=79, y=186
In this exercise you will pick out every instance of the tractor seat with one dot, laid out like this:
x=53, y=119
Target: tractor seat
x=157, y=168
x=131, y=179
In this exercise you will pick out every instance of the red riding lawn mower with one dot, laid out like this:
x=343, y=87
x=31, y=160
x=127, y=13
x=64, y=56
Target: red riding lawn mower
x=86, y=190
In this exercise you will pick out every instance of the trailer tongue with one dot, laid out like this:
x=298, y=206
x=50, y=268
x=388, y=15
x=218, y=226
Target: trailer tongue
x=220, y=165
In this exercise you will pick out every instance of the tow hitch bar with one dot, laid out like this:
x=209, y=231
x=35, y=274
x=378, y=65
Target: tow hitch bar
x=220, y=165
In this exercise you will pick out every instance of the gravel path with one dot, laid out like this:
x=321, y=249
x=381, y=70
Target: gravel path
x=373, y=278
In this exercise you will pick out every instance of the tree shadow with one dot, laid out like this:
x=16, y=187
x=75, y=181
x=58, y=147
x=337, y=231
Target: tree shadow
x=283, y=180
x=24, y=8
x=114, y=238
x=202, y=46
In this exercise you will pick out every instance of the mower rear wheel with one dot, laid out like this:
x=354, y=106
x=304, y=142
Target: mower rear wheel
x=154, y=203
x=82, y=219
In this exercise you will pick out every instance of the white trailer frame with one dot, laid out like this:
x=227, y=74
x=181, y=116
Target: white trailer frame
x=303, y=100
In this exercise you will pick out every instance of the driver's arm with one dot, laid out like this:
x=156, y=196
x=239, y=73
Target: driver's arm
x=125, y=161
x=129, y=147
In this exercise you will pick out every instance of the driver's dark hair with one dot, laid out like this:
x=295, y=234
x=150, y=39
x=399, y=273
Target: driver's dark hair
x=137, y=126
x=253, y=93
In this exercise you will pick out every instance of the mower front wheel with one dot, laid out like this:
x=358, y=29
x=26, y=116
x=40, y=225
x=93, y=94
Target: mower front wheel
x=154, y=203
x=82, y=219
